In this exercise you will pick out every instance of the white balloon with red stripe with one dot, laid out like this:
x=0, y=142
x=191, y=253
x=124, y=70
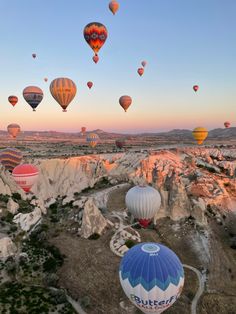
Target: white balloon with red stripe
x=25, y=176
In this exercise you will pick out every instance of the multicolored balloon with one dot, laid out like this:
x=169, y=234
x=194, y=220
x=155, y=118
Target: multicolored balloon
x=34, y=55
x=25, y=176
x=13, y=129
x=227, y=124
x=151, y=276
x=200, y=134
x=10, y=158
x=95, y=35
x=195, y=88
x=120, y=143
x=33, y=95
x=13, y=100
x=63, y=90
x=144, y=63
x=90, y=85
x=125, y=101
x=140, y=71
x=92, y=139
x=143, y=202
x=114, y=6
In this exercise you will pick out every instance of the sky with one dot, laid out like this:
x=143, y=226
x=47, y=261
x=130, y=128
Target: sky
x=185, y=42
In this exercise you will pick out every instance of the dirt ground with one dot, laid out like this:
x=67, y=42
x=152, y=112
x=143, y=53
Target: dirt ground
x=91, y=269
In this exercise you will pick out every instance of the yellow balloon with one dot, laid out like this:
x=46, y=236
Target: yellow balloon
x=200, y=134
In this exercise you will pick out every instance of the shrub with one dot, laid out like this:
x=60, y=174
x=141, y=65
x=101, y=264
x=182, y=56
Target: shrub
x=94, y=236
x=50, y=265
x=130, y=243
x=16, y=196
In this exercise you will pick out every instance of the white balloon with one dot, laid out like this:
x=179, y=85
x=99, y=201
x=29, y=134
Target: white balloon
x=143, y=202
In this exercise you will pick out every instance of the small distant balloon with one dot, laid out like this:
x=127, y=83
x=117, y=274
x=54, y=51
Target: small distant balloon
x=25, y=176
x=140, y=71
x=13, y=100
x=13, y=129
x=195, y=88
x=95, y=58
x=144, y=63
x=200, y=134
x=125, y=101
x=92, y=139
x=95, y=35
x=33, y=95
x=90, y=85
x=34, y=55
x=83, y=130
x=114, y=6
x=227, y=124
x=120, y=143
x=63, y=90
x=45, y=79
x=10, y=158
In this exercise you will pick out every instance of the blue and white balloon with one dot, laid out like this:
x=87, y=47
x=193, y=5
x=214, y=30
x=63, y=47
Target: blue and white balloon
x=151, y=276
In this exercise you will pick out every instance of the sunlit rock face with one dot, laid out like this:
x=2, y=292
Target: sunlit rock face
x=92, y=221
x=188, y=179
x=26, y=221
x=7, y=247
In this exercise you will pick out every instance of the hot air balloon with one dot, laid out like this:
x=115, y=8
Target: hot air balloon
x=200, y=134
x=63, y=90
x=95, y=58
x=13, y=100
x=144, y=63
x=151, y=276
x=114, y=6
x=120, y=144
x=83, y=130
x=33, y=95
x=195, y=88
x=10, y=158
x=143, y=202
x=92, y=139
x=13, y=129
x=25, y=176
x=95, y=34
x=34, y=55
x=227, y=124
x=90, y=85
x=140, y=71
x=125, y=101
x=45, y=79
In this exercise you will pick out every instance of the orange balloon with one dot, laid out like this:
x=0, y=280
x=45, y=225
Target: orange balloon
x=114, y=6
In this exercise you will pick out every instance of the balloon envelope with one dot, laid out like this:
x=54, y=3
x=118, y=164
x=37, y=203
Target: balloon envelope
x=114, y=6
x=45, y=79
x=33, y=95
x=63, y=90
x=34, y=55
x=13, y=100
x=13, y=129
x=83, y=130
x=90, y=85
x=195, y=88
x=143, y=202
x=95, y=35
x=10, y=158
x=125, y=101
x=144, y=63
x=120, y=143
x=25, y=176
x=140, y=71
x=151, y=276
x=92, y=139
x=200, y=134
x=227, y=124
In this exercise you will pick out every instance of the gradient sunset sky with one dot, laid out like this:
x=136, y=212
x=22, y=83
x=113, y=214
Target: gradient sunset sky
x=184, y=42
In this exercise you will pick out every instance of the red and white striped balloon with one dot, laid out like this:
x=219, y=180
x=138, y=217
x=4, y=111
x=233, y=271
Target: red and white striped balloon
x=25, y=176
